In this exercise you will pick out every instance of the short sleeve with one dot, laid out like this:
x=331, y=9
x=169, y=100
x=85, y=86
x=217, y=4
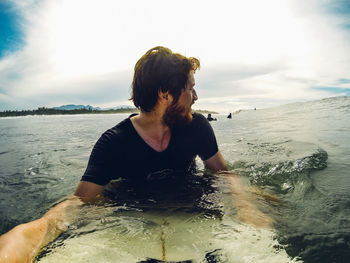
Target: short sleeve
x=206, y=140
x=98, y=170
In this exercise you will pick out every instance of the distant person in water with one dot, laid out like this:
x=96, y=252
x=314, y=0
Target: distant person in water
x=165, y=135
x=229, y=116
x=210, y=118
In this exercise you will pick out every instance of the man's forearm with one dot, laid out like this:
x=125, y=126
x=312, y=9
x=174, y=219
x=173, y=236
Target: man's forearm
x=23, y=243
x=60, y=217
x=246, y=203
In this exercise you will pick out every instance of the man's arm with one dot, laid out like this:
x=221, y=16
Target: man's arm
x=216, y=163
x=23, y=243
x=243, y=197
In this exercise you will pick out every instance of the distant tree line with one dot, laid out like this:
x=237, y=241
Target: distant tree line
x=51, y=111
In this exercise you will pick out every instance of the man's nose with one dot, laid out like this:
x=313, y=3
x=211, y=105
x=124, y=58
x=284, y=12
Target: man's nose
x=194, y=94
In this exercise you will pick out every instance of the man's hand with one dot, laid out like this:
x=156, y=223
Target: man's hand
x=244, y=197
x=23, y=243
x=245, y=201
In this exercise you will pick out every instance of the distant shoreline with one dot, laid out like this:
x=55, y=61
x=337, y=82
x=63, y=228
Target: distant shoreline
x=51, y=111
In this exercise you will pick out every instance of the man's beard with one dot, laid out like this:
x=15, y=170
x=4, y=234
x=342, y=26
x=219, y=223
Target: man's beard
x=176, y=114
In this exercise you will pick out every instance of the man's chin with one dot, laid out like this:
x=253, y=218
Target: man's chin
x=177, y=116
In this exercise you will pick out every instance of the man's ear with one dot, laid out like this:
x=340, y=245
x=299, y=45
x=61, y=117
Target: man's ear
x=164, y=97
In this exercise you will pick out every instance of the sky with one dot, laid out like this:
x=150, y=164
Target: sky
x=253, y=53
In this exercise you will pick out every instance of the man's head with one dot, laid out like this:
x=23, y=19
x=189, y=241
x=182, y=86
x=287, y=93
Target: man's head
x=179, y=111
x=161, y=70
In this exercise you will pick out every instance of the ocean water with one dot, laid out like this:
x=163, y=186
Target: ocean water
x=298, y=152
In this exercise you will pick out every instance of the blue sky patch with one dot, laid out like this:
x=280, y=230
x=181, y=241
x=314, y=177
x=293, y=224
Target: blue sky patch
x=335, y=90
x=343, y=81
x=11, y=36
x=339, y=7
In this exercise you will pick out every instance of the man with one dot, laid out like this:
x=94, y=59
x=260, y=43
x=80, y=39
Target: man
x=210, y=118
x=164, y=136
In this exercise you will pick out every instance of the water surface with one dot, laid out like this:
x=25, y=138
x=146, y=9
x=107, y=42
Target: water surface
x=299, y=152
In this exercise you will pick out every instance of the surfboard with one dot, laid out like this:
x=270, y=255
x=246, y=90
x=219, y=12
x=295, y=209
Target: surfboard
x=109, y=235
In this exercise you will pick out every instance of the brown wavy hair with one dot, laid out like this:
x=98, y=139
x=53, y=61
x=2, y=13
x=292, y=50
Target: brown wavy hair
x=160, y=69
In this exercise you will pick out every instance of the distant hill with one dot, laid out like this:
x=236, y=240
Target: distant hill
x=119, y=107
x=76, y=107
x=89, y=107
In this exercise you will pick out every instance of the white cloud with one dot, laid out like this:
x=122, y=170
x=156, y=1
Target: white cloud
x=252, y=52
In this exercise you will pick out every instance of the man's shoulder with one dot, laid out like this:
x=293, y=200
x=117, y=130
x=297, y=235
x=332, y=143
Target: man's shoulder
x=198, y=119
x=119, y=131
x=197, y=115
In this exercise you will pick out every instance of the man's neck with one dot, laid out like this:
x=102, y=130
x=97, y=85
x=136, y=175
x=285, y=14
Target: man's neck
x=151, y=128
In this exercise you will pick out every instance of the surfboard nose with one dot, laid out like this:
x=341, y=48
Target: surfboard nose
x=153, y=260
x=211, y=257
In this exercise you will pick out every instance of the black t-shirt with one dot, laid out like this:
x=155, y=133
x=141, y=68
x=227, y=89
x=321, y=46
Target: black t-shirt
x=122, y=153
